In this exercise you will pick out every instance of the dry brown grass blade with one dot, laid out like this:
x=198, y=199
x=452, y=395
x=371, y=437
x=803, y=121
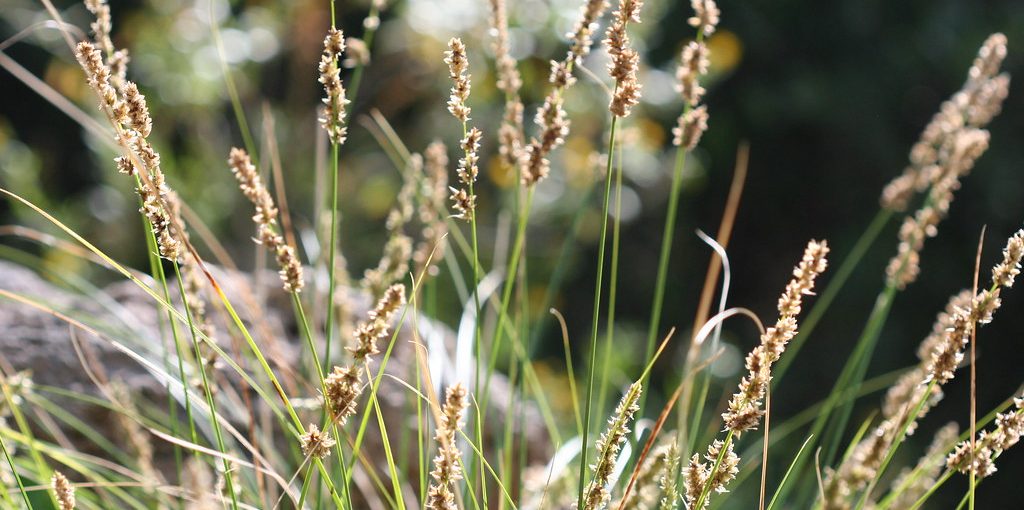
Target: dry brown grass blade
x=974, y=369
x=270, y=139
x=732, y=205
x=568, y=362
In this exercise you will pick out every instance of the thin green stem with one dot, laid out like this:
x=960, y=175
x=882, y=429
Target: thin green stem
x=506, y=295
x=613, y=281
x=595, y=319
x=43, y=471
x=229, y=82
x=305, y=486
x=332, y=253
x=853, y=374
x=667, y=238
x=477, y=340
x=172, y=404
x=162, y=278
x=935, y=486
x=218, y=435
x=714, y=469
x=262, y=360
x=17, y=478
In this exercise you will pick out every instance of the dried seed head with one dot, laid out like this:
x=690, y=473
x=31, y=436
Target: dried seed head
x=693, y=64
x=509, y=80
x=392, y=266
x=98, y=76
x=580, y=37
x=980, y=457
x=357, y=53
x=554, y=126
x=447, y=467
x=333, y=118
x=706, y=16
x=608, y=446
x=316, y=444
x=958, y=157
x=969, y=312
x=1004, y=273
x=669, y=482
x=510, y=134
x=745, y=411
x=698, y=476
x=266, y=219
x=155, y=195
x=970, y=108
x=802, y=284
x=251, y=184
x=692, y=126
x=470, y=144
x=102, y=27
x=433, y=191
x=344, y=386
x=463, y=203
x=860, y=467
x=624, y=59
x=63, y=490
x=377, y=323
x=990, y=58
x=137, y=117
x=458, y=65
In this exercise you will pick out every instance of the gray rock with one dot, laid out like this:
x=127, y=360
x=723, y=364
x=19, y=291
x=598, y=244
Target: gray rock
x=41, y=342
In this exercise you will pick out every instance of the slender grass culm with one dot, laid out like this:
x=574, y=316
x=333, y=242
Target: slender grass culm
x=403, y=356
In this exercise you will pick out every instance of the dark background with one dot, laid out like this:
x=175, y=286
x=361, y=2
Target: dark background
x=830, y=96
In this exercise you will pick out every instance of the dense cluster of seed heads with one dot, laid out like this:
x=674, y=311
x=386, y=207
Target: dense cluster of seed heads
x=693, y=65
x=266, y=219
x=333, y=118
x=946, y=152
x=447, y=466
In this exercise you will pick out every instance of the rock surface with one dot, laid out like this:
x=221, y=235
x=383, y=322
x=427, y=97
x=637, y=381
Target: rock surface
x=35, y=340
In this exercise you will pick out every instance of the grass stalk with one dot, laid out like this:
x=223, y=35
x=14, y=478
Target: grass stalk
x=210, y=401
x=17, y=477
x=506, y=295
x=667, y=238
x=595, y=320
x=262, y=360
x=332, y=256
x=613, y=283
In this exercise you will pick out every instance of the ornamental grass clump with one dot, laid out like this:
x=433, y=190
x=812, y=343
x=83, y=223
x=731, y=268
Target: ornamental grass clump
x=260, y=414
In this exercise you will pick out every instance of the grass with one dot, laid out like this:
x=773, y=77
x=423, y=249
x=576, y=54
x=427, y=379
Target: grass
x=398, y=428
